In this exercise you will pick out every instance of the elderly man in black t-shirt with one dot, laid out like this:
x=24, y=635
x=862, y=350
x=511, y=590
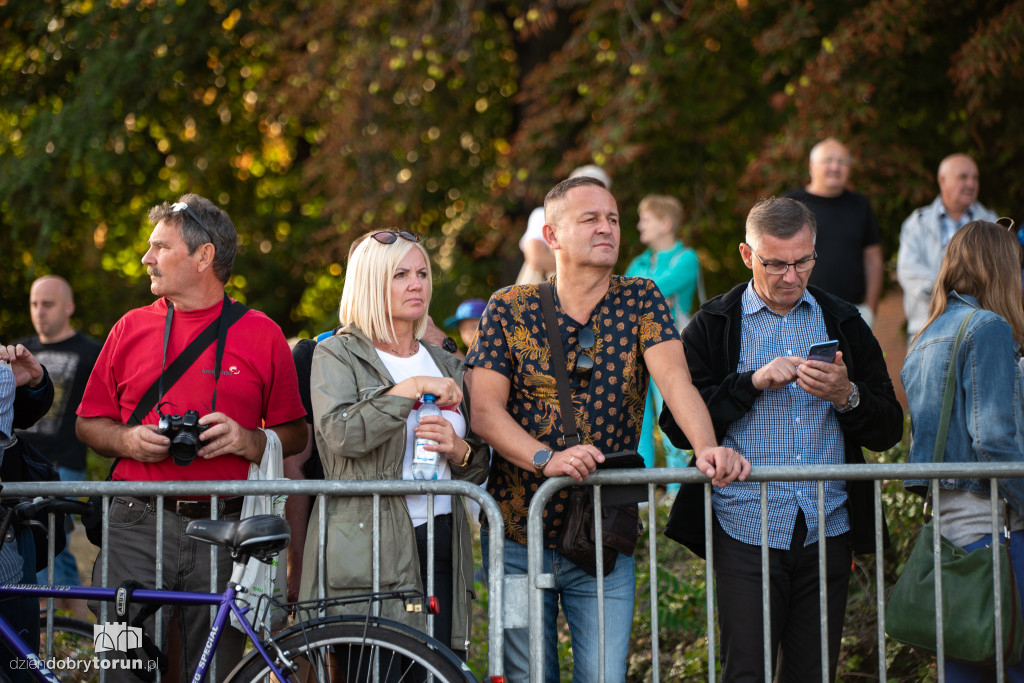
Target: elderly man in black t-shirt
x=849, y=249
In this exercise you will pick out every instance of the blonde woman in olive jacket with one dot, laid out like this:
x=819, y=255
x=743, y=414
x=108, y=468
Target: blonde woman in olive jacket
x=365, y=383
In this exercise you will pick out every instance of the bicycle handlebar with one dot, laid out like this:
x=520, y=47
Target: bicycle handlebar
x=28, y=509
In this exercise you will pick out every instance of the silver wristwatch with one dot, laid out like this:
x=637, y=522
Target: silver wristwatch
x=852, y=402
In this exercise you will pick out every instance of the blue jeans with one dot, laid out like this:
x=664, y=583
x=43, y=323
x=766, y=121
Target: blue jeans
x=578, y=593
x=65, y=568
x=963, y=672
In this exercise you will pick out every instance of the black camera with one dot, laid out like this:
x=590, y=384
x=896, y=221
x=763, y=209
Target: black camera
x=183, y=431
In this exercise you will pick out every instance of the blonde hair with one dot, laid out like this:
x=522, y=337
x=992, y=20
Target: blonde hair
x=366, y=297
x=664, y=207
x=982, y=260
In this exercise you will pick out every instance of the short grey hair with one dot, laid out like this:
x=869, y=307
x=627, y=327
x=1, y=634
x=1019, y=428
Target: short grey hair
x=779, y=217
x=559, y=191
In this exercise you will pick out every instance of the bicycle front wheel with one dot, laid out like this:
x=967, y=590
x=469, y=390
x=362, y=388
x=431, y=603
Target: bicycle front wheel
x=349, y=651
x=72, y=642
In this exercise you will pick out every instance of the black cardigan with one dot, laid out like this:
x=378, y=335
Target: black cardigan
x=712, y=341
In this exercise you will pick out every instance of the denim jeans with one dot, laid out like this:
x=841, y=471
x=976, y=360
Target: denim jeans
x=65, y=568
x=964, y=672
x=577, y=591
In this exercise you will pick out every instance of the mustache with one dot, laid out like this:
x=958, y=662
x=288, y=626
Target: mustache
x=155, y=272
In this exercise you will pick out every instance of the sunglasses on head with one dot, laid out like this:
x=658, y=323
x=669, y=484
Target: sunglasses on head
x=182, y=206
x=391, y=236
x=584, y=363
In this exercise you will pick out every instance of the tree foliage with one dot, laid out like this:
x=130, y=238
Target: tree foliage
x=311, y=122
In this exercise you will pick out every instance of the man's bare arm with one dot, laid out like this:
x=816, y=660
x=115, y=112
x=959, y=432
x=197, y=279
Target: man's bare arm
x=490, y=420
x=112, y=439
x=667, y=365
x=294, y=435
x=539, y=255
x=873, y=273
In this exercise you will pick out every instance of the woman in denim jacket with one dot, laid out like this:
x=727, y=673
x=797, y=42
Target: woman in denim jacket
x=981, y=272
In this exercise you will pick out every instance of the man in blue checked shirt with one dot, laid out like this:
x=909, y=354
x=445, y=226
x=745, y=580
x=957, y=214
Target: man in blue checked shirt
x=747, y=355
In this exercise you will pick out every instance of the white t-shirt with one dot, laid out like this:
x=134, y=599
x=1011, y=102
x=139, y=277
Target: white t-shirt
x=422, y=365
x=534, y=228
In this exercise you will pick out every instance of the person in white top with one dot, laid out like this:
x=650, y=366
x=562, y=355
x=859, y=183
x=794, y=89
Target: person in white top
x=366, y=384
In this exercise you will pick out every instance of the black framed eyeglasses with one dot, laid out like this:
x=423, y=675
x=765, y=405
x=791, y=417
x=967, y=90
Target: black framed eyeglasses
x=182, y=206
x=391, y=236
x=586, y=340
x=776, y=268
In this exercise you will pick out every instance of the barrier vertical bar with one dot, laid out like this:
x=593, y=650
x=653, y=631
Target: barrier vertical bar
x=653, y=561
x=430, y=562
x=158, y=574
x=709, y=574
x=997, y=577
x=822, y=582
x=599, y=535
x=879, y=580
x=940, y=644
x=321, y=535
x=766, y=602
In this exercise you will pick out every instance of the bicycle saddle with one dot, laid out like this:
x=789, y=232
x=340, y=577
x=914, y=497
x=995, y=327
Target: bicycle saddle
x=259, y=536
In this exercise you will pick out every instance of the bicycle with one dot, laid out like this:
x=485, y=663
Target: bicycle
x=346, y=647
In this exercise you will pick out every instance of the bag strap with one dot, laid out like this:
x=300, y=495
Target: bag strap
x=938, y=454
x=231, y=314
x=570, y=432
x=947, y=396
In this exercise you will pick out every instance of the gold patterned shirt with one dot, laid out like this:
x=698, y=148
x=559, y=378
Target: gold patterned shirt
x=609, y=399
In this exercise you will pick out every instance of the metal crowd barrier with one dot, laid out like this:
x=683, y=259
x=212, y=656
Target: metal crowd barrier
x=536, y=581
x=218, y=489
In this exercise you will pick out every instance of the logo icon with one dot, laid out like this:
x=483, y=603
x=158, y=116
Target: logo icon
x=116, y=637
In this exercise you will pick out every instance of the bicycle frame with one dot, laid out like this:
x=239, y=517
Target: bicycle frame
x=225, y=602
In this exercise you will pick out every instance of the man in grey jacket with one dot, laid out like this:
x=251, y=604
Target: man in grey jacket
x=926, y=232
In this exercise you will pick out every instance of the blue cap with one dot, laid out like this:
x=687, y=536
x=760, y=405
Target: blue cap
x=470, y=309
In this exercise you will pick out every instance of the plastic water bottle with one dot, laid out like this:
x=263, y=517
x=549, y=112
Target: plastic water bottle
x=424, y=462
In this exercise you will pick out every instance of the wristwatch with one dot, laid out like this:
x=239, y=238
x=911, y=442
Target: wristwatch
x=851, y=402
x=540, y=460
x=449, y=345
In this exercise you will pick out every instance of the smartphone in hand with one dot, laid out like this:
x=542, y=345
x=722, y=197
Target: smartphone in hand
x=825, y=351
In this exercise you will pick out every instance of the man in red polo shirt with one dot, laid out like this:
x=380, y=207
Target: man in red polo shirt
x=191, y=251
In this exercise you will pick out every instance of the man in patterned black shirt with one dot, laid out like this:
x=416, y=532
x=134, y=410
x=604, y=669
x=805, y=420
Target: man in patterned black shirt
x=516, y=409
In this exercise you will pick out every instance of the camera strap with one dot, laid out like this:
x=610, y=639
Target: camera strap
x=230, y=313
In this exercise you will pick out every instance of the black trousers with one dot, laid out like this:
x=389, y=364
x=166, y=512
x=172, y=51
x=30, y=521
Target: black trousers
x=795, y=623
x=443, y=575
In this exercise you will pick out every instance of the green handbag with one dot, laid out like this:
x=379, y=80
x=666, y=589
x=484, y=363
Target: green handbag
x=968, y=603
x=968, y=600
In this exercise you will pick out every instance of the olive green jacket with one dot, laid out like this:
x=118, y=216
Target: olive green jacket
x=360, y=435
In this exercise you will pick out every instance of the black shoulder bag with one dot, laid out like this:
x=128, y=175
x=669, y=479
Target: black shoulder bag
x=217, y=331
x=620, y=523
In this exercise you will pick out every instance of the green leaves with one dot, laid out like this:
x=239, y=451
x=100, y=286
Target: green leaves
x=311, y=122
